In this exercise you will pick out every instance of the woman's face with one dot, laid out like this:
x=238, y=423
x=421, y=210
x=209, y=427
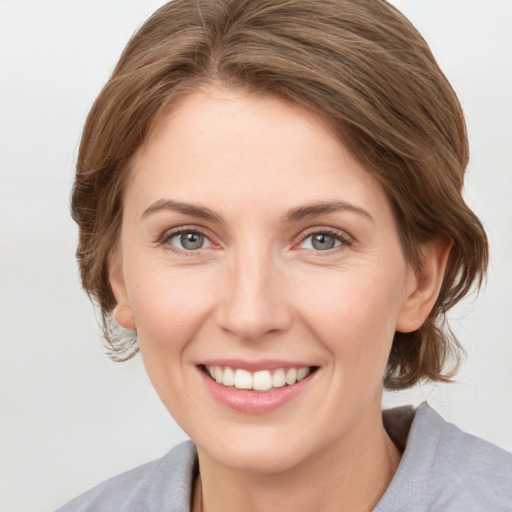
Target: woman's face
x=255, y=248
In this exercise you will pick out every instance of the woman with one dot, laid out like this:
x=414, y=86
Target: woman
x=269, y=200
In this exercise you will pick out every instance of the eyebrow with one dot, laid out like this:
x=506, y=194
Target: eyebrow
x=293, y=215
x=317, y=209
x=185, y=208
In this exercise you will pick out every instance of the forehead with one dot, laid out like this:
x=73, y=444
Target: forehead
x=218, y=145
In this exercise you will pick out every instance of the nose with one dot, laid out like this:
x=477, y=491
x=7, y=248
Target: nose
x=253, y=303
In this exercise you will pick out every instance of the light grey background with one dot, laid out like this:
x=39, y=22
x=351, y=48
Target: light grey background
x=70, y=417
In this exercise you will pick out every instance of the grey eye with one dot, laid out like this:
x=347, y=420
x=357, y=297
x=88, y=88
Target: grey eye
x=189, y=241
x=322, y=242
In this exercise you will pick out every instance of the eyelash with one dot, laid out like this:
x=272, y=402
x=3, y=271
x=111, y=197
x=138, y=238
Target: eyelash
x=169, y=235
x=345, y=240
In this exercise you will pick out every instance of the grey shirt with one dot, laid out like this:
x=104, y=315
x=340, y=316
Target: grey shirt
x=442, y=469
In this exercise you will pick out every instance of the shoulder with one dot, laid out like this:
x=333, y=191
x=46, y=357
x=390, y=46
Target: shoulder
x=446, y=469
x=164, y=484
x=463, y=468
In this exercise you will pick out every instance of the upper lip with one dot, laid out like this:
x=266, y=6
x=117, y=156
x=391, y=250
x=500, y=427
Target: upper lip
x=254, y=366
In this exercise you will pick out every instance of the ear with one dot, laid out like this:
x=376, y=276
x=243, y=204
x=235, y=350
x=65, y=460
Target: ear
x=122, y=312
x=424, y=285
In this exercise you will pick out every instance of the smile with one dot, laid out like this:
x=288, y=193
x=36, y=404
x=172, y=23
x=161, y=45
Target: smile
x=262, y=380
x=256, y=387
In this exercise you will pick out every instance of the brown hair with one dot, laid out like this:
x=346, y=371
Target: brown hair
x=362, y=66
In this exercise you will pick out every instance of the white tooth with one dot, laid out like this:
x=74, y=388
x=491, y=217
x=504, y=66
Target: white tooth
x=243, y=379
x=278, y=379
x=262, y=381
x=229, y=377
x=291, y=376
x=211, y=371
x=218, y=374
x=302, y=372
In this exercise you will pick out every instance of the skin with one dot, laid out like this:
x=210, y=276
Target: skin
x=258, y=289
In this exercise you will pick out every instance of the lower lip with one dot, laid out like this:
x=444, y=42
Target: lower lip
x=254, y=402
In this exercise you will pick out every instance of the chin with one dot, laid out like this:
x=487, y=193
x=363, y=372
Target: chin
x=258, y=453
x=256, y=460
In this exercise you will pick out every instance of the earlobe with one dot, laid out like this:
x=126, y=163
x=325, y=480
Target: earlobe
x=424, y=285
x=122, y=312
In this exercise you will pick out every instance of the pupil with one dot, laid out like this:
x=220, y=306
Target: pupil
x=323, y=242
x=191, y=241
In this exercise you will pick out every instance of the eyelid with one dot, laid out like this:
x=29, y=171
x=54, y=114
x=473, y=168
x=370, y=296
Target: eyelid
x=341, y=236
x=169, y=234
x=345, y=239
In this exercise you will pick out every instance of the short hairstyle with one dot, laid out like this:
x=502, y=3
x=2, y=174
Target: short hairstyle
x=358, y=63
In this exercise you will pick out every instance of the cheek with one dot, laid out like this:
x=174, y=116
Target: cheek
x=169, y=311
x=354, y=314
x=169, y=307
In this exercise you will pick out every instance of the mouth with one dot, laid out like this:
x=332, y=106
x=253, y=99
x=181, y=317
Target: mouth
x=259, y=381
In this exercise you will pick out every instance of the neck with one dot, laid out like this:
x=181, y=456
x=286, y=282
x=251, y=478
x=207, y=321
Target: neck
x=349, y=475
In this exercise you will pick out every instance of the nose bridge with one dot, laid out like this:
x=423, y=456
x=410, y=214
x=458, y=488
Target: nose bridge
x=253, y=303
